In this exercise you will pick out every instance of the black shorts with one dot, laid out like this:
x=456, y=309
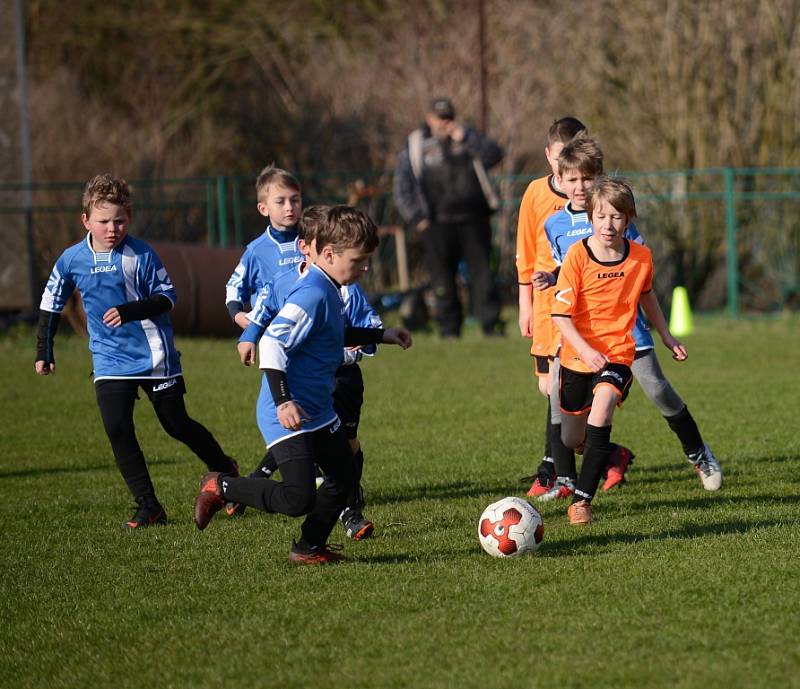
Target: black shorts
x=577, y=388
x=156, y=388
x=348, y=397
x=541, y=365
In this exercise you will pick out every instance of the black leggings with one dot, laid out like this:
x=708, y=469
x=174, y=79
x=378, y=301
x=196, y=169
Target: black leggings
x=297, y=495
x=116, y=398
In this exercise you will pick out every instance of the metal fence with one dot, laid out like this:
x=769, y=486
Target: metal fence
x=730, y=236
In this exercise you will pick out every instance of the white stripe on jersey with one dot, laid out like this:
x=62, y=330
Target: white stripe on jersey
x=158, y=351
x=54, y=287
x=271, y=354
x=290, y=325
x=234, y=284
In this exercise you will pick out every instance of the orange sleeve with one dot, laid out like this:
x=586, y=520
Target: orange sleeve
x=526, y=236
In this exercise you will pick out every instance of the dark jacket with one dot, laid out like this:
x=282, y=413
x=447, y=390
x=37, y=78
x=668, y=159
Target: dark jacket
x=440, y=181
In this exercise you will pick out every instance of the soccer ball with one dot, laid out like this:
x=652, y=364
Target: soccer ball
x=510, y=527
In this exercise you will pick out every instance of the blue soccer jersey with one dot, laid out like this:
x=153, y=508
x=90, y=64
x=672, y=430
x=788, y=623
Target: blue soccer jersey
x=272, y=296
x=305, y=339
x=263, y=258
x=130, y=272
x=568, y=226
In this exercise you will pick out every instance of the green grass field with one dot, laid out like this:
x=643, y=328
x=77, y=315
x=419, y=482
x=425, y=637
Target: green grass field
x=671, y=586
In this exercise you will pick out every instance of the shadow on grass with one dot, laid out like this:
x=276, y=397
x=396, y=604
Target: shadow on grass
x=54, y=471
x=572, y=547
x=445, y=491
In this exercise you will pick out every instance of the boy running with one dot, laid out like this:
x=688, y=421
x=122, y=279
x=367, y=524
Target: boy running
x=579, y=163
x=602, y=279
x=348, y=395
x=300, y=352
x=542, y=198
x=126, y=293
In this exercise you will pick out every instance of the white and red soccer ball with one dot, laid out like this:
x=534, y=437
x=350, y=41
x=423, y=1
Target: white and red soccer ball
x=510, y=527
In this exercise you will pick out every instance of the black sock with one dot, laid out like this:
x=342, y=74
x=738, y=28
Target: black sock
x=684, y=426
x=355, y=498
x=595, y=458
x=244, y=490
x=563, y=456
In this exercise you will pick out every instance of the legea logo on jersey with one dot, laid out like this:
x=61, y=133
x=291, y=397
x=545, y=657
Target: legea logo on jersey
x=104, y=269
x=620, y=274
x=289, y=261
x=579, y=233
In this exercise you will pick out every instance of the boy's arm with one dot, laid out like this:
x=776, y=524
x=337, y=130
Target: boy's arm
x=236, y=291
x=525, y=260
x=57, y=291
x=354, y=337
x=591, y=357
x=137, y=310
x=655, y=315
x=48, y=324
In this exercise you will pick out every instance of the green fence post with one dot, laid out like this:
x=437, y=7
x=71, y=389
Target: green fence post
x=210, y=214
x=236, y=190
x=222, y=211
x=731, y=250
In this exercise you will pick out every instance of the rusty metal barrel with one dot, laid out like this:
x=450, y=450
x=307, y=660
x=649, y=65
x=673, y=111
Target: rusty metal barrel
x=199, y=274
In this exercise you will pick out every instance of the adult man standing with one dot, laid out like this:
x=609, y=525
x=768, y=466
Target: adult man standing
x=442, y=189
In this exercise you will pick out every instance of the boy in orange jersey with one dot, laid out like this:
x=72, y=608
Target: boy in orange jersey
x=600, y=283
x=542, y=198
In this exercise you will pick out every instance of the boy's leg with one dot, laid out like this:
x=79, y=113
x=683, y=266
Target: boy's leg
x=116, y=399
x=171, y=412
x=348, y=397
x=334, y=455
x=647, y=370
x=441, y=248
x=563, y=456
x=611, y=386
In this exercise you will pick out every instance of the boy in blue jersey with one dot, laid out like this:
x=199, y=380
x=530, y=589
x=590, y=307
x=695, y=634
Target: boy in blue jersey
x=348, y=395
x=126, y=293
x=280, y=201
x=579, y=163
x=276, y=249
x=300, y=353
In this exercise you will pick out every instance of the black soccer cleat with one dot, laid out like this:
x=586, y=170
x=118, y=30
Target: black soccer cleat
x=356, y=526
x=149, y=513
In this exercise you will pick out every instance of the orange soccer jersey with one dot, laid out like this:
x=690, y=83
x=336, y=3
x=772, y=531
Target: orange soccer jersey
x=601, y=298
x=539, y=202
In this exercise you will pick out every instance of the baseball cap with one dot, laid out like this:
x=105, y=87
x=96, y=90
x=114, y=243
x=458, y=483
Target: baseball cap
x=443, y=108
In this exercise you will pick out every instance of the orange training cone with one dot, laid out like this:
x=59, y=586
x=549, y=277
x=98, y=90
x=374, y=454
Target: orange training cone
x=680, y=316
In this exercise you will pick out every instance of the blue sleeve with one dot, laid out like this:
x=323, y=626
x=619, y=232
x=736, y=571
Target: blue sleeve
x=154, y=279
x=265, y=307
x=291, y=327
x=550, y=231
x=360, y=314
x=59, y=287
x=633, y=234
x=239, y=286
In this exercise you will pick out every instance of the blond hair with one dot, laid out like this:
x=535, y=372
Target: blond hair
x=104, y=188
x=614, y=191
x=274, y=175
